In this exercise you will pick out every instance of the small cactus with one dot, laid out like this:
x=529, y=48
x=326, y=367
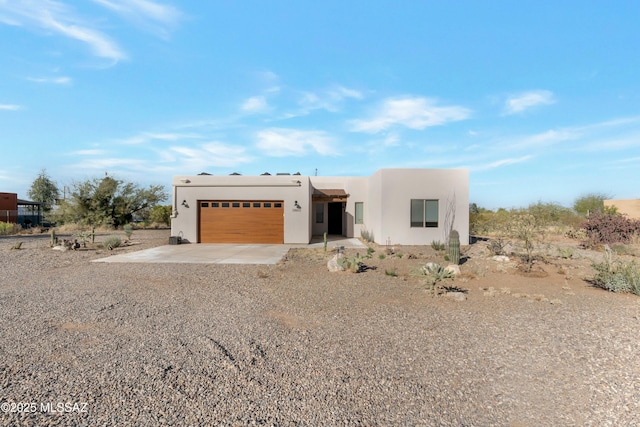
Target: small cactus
x=54, y=239
x=454, y=247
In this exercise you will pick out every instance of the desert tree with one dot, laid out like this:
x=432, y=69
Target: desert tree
x=109, y=201
x=591, y=202
x=44, y=191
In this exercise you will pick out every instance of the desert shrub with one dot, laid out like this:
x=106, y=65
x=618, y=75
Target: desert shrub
x=382, y=256
x=437, y=245
x=497, y=246
x=433, y=274
x=607, y=228
x=617, y=276
x=528, y=230
x=160, y=214
x=84, y=237
x=565, y=253
x=590, y=203
x=9, y=228
x=576, y=233
x=391, y=273
x=370, y=252
x=111, y=242
x=366, y=235
x=128, y=230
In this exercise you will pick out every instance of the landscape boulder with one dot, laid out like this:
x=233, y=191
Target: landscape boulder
x=453, y=268
x=333, y=264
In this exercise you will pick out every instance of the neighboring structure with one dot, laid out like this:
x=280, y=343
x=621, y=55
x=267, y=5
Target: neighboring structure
x=631, y=208
x=395, y=206
x=18, y=211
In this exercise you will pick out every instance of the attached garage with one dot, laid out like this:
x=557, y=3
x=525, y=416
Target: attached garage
x=241, y=221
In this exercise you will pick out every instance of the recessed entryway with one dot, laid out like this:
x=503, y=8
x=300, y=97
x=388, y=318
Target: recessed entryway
x=336, y=212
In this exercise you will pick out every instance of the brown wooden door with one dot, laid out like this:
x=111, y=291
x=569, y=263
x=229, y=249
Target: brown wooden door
x=241, y=221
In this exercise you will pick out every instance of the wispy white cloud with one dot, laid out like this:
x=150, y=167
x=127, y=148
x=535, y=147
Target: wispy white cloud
x=53, y=80
x=330, y=100
x=520, y=102
x=145, y=137
x=544, y=139
x=211, y=154
x=91, y=152
x=255, y=104
x=107, y=164
x=282, y=142
x=57, y=17
x=412, y=112
x=504, y=162
x=151, y=16
x=10, y=107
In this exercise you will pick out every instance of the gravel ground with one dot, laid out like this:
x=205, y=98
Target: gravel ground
x=292, y=344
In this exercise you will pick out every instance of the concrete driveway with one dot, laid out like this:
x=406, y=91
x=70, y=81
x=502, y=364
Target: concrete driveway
x=218, y=253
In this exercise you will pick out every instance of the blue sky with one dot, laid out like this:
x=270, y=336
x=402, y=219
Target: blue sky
x=539, y=100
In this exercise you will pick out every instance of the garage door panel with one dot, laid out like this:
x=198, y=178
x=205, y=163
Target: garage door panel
x=245, y=223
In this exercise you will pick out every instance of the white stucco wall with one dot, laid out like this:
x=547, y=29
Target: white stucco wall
x=399, y=186
x=191, y=189
x=386, y=197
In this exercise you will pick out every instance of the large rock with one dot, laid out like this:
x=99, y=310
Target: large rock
x=500, y=258
x=333, y=265
x=453, y=268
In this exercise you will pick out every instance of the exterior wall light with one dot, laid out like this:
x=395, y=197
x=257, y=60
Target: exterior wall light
x=185, y=204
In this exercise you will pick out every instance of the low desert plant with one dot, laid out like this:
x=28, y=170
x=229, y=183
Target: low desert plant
x=382, y=256
x=527, y=229
x=366, y=235
x=617, y=275
x=84, y=237
x=610, y=228
x=565, y=253
x=370, y=252
x=128, y=230
x=352, y=263
x=437, y=246
x=497, y=246
x=433, y=275
x=9, y=228
x=391, y=273
x=111, y=242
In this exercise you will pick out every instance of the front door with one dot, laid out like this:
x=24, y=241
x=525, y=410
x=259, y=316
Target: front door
x=335, y=218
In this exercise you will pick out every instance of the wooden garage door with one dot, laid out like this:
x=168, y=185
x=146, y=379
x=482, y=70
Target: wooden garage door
x=241, y=221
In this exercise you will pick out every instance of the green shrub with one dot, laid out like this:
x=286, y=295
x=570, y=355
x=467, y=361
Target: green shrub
x=84, y=237
x=352, y=263
x=382, y=256
x=433, y=274
x=391, y=273
x=111, y=242
x=437, y=246
x=617, y=276
x=565, y=253
x=9, y=228
x=370, y=252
